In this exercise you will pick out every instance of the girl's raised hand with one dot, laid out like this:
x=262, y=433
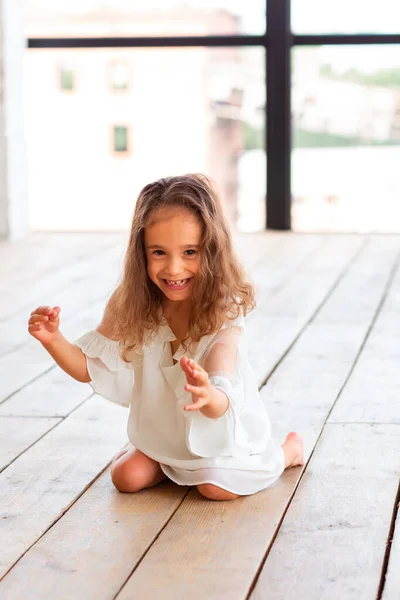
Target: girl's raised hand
x=197, y=383
x=44, y=322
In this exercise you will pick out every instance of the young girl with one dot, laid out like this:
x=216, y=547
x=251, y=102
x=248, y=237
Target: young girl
x=171, y=347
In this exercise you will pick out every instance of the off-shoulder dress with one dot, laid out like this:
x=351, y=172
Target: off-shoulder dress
x=235, y=451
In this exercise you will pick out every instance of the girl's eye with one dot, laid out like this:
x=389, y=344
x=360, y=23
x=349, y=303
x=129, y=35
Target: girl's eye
x=190, y=252
x=158, y=252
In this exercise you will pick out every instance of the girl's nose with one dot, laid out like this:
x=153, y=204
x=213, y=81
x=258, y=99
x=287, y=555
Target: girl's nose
x=175, y=267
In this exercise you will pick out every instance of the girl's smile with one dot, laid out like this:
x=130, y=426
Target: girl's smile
x=177, y=285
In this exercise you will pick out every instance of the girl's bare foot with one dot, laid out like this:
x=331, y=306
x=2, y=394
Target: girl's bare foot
x=293, y=450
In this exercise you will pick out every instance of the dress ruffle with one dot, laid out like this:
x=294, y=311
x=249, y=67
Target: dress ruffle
x=96, y=345
x=103, y=358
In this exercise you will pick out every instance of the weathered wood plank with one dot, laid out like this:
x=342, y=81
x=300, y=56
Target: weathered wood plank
x=50, y=271
x=42, y=483
x=333, y=538
x=91, y=551
x=278, y=322
x=203, y=547
x=17, y=434
x=199, y=514
x=215, y=574
x=326, y=339
x=54, y=394
x=27, y=362
x=74, y=323
x=72, y=288
x=372, y=393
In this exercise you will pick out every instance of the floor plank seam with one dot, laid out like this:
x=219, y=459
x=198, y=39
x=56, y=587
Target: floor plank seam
x=28, y=383
x=386, y=557
x=28, y=340
x=62, y=419
x=59, y=290
x=136, y=566
x=361, y=423
x=296, y=267
x=277, y=529
x=317, y=310
x=64, y=510
x=386, y=290
x=31, y=446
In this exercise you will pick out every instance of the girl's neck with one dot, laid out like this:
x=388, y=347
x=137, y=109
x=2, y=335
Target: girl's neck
x=177, y=311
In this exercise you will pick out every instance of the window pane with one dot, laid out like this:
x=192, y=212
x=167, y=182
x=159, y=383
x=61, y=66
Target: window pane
x=66, y=79
x=119, y=75
x=346, y=138
x=188, y=110
x=120, y=139
x=346, y=16
x=91, y=18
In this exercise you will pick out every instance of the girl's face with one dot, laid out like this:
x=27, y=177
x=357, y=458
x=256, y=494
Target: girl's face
x=172, y=245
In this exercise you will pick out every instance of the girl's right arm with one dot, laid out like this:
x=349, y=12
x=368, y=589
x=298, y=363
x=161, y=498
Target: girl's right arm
x=43, y=325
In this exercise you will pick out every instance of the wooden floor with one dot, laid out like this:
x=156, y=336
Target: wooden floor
x=325, y=344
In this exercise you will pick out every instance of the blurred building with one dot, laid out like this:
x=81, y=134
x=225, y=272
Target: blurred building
x=101, y=123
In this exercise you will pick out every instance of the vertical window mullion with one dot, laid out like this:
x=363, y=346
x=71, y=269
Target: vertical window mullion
x=278, y=118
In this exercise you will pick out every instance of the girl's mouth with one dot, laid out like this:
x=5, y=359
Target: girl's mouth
x=178, y=284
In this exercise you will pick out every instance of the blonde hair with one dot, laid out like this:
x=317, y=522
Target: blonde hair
x=219, y=289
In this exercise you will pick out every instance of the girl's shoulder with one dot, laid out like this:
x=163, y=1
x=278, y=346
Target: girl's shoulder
x=231, y=330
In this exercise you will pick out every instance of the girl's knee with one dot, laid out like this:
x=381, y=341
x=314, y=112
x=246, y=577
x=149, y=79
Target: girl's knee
x=126, y=479
x=135, y=471
x=213, y=492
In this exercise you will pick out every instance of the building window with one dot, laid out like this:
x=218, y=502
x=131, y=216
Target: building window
x=120, y=141
x=119, y=73
x=66, y=78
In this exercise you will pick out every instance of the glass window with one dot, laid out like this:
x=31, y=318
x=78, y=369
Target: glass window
x=190, y=110
x=66, y=78
x=119, y=75
x=92, y=18
x=345, y=16
x=120, y=139
x=346, y=138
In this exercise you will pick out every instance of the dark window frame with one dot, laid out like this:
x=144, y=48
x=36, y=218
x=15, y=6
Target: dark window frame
x=278, y=42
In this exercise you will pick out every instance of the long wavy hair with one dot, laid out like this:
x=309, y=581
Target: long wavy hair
x=220, y=289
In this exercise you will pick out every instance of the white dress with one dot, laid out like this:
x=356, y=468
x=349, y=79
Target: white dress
x=234, y=452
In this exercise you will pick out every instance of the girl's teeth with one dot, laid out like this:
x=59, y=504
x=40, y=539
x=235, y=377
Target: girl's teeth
x=177, y=283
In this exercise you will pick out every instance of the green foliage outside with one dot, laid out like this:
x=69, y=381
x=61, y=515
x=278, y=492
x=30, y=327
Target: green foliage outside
x=383, y=77
x=311, y=139
x=253, y=138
